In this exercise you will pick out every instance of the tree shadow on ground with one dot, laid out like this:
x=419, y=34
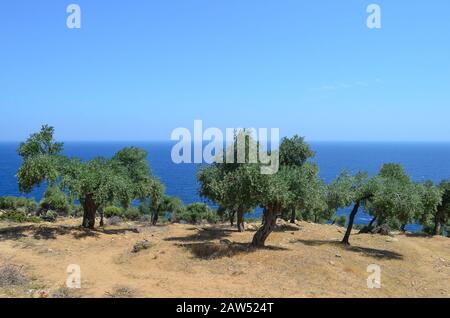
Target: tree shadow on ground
x=210, y=250
x=365, y=251
x=46, y=232
x=203, y=234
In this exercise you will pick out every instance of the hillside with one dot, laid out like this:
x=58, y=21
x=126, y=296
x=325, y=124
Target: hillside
x=302, y=260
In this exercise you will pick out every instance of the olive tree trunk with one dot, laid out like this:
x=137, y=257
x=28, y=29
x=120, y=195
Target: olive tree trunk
x=240, y=220
x=351, y=220
x=89, y=211
x=155, y=217
x=270, y=221
x=232, y=215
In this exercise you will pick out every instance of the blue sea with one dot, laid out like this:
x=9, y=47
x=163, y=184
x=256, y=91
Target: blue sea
x=422, y=161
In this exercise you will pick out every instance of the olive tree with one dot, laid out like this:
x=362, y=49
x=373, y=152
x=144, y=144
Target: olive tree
x=353, y=190
x=95, y=183
x=40, y=159
x=232, y=185
x=398, y=199
x=308, y=194
x=275, y=197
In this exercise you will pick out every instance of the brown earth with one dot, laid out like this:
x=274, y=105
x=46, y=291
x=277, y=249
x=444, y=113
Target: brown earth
x=303, y=260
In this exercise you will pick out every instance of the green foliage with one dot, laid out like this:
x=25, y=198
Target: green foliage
x=96, y=179
x=233, y=186
x=441, y=215
x=347, y=189
x=8, y=203
x=156, y=199
x=394, y=171
x=12, y=203
x=56, y=200
x=132, y=214
x=111, y=211
x=397, y=199
x=197, y=212
x=174, y=206
x=41, y=143
x=95, y=183
x=431, y=197
x=40, y=154
x=132, y=164
x=19, y=216
x=50, y=216
x=295, y=151
x=308, y=193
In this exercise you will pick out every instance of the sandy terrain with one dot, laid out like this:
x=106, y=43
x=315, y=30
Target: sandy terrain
x=214, y=261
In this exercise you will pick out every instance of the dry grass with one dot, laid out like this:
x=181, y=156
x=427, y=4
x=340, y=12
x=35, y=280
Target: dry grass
x=12, y=275
x=216, y=261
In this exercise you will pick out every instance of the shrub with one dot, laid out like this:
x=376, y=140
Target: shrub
x=11, y=275
x=112, y=211
x=19, y=216
x=114, y=220
x=7, y=203
x=21, y=202
x=50, y=216
x=12, y=203
x=132, y=214
x=55, y=199
x=145, y=218
x=33, y=206
x=197, y=212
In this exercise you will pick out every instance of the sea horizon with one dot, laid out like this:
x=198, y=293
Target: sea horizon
x=422, y=161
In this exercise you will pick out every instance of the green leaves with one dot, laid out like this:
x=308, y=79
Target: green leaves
x=347, y=189
x=41, y=143
x=37, y=169
x=294, y=151
x=123, y=178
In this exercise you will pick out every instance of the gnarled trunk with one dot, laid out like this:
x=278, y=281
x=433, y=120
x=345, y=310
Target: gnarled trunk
x=270, y=221
x=351, y=220
x=155, y=217
x=232, y=215
x=89, y=210
x=240, y=220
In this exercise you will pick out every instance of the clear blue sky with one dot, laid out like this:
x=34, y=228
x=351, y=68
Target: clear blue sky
x=138, y=69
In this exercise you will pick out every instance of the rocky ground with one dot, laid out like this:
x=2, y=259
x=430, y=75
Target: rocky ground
x=176, y=260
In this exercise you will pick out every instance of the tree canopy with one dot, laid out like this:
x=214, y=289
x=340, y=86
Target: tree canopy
x=95, y=183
